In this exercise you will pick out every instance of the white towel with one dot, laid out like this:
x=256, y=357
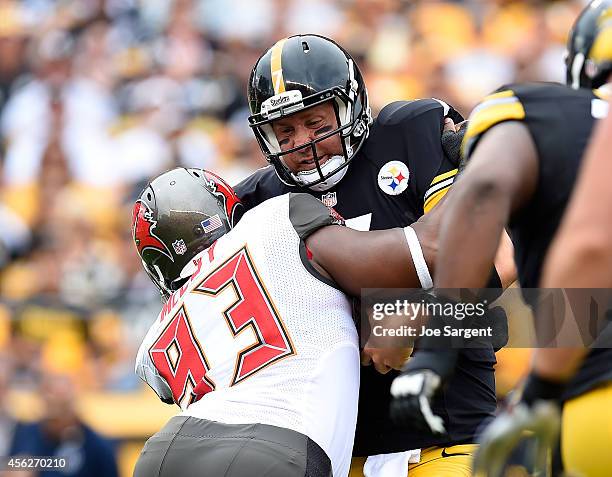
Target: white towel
x=391, y=465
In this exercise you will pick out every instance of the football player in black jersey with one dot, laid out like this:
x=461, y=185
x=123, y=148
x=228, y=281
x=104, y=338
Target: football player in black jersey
x=311, y=117
x=581, y=254
x=525, y=145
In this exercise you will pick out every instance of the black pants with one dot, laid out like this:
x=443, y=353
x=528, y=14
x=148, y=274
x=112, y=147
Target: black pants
x=187, y=446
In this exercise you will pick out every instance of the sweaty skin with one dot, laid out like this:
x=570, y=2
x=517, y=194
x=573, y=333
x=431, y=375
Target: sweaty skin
x=481, y=203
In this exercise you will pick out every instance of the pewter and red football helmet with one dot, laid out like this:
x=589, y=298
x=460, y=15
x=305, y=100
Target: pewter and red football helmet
x=178, y=215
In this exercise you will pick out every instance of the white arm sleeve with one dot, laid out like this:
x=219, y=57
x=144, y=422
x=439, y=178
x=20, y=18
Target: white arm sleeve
x=417, y=258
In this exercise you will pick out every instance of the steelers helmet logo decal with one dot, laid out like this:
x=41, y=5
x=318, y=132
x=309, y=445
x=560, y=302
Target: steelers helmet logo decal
x=393, y=177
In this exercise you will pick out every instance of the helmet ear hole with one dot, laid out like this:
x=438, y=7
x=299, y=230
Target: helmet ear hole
x=198, y=230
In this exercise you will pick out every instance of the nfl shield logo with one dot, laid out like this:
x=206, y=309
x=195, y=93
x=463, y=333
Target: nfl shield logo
x=179, y=246
x=329, y=199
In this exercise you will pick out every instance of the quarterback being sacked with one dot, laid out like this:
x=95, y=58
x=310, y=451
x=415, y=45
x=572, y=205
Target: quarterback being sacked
x=311, y=117
x=256, y=341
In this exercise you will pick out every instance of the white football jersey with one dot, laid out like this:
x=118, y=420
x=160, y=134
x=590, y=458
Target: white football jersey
x=256, y=337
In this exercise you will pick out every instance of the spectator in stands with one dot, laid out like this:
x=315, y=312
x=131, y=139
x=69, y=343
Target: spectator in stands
x=60, y=433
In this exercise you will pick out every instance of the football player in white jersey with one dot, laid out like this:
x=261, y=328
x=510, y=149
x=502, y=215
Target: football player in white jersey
x=256, y=341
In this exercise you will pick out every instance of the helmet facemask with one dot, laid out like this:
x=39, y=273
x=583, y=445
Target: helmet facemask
x=156, y=276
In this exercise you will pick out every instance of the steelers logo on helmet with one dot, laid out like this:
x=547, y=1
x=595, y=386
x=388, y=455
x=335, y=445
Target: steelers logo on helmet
x=393, y=177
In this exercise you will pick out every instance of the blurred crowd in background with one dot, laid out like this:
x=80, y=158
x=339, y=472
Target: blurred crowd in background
x=98, y=96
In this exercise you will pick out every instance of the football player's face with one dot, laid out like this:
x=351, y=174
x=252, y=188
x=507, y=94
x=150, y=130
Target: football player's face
x=303, y=127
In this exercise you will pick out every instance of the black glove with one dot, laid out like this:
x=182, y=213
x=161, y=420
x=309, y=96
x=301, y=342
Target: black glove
x=413, y=390
x=537, y=413
x=451, y=144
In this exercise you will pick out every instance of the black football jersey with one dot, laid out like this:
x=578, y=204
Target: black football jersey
x=560, y=121
x=402, y=171
x=399, y=174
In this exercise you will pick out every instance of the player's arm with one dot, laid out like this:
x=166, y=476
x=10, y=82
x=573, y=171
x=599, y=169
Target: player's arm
x=352, y=260
x=579, y=257
x=504, y=261
x=499, y=179
x=375, y=259
x=427, y=129
x=145, y=369
x=581, y=254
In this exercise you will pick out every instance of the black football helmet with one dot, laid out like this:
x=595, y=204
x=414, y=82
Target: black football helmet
x=301, y=72
x=179, y=214
x=589, y=48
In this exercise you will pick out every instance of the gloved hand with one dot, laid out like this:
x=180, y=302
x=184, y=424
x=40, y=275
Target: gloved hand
x=451, y=142
x=537, y=414
x=414, y=389
x=411, y=405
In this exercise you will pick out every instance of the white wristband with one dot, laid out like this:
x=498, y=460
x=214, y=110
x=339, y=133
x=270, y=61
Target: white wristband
x=417, y=258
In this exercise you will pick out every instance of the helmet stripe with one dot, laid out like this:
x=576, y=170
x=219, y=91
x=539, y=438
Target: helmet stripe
x=602, y=46
x=276, y=67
